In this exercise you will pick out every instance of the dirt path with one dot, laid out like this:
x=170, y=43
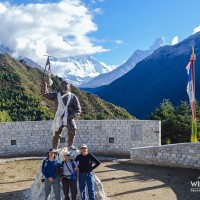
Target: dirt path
x=121, y=181
x=142, y=182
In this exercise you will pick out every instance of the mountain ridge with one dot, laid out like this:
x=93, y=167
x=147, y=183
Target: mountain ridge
x=78, y=69
x=75, y=69
x=162, y=75
x=137, y=56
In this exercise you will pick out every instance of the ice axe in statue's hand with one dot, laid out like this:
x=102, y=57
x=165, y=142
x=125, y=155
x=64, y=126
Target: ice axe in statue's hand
x=49, y=80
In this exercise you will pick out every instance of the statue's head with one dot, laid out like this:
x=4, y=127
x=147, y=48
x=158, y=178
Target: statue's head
x=65, y=87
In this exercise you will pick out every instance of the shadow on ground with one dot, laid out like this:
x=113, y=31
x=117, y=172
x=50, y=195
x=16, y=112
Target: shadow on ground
x=2, y=183
x=178, y=179
x=15, y=195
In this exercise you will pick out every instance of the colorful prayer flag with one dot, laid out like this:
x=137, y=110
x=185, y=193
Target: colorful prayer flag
x=191, y=94
x=190, y=90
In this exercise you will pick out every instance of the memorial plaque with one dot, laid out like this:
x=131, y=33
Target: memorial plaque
x=111, y=140
x=136, y=132
x=13, y=142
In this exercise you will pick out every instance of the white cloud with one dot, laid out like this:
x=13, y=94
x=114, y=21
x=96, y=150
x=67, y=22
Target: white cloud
x=175, y=40
x=95, y=1
x=98, y=11
x=118, y=41
x=197, y=29
x=57, y=29
x=2, y=8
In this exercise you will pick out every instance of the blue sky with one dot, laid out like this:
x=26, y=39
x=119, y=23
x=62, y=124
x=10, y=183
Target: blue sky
x=110, y=30
x=139, y=22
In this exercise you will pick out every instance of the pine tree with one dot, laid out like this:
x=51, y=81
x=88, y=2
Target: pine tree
x=4, y=116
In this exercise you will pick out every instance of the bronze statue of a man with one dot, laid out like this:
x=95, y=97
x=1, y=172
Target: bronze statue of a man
x=68, y=108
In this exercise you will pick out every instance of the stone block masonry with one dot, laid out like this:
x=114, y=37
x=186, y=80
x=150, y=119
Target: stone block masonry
x=111, y=137
x=185, y=155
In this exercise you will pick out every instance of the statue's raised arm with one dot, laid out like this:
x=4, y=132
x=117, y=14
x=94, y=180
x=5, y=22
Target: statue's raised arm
x=45, y=92
x=48, y=83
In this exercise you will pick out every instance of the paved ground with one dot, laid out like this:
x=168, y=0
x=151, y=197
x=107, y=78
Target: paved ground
x=121, y=181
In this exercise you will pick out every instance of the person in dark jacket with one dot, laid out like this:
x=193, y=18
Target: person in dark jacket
x=85, y=162
x=68, y=108
x=50, y=170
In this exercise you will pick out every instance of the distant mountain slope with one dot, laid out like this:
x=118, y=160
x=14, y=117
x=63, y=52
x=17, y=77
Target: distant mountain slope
x=137, y=56
x=160, y=76
x=20, y=95
x=4, y=49
x=78, y=69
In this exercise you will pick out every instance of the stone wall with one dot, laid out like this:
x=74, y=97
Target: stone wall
x=186, y=155
x=113, y=137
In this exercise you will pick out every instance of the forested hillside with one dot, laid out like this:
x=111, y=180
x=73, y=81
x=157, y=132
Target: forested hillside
x=20, y=97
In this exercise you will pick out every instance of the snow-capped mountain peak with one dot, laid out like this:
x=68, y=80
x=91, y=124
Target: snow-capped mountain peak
x=159, y=42
x=137, y=56
x=78, y=69
x=75, y=69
